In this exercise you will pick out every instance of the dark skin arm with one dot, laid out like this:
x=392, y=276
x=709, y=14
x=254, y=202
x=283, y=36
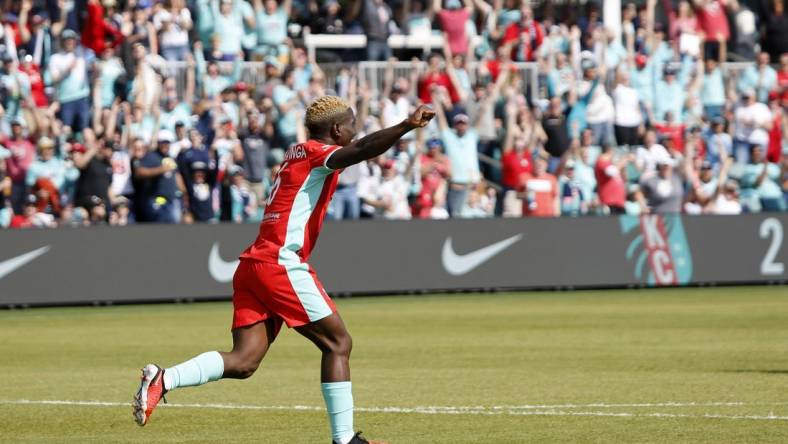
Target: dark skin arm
x=378, y=142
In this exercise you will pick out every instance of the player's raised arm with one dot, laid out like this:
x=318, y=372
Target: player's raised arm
x=376, y=143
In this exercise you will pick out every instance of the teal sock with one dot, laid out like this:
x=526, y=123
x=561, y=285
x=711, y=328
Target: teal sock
x=339, y=404
x=206, y=367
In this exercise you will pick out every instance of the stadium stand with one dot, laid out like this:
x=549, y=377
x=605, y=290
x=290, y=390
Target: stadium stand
x=179, y=111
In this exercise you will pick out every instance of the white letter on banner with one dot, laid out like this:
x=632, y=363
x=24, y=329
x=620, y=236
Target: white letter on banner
x=663, y=270
x=651, y=232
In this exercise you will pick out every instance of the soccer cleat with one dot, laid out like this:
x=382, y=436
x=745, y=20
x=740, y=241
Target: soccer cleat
x=358, y=439
x=150, y=392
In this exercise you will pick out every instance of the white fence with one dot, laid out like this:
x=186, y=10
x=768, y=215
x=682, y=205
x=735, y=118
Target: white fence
x=372, y=73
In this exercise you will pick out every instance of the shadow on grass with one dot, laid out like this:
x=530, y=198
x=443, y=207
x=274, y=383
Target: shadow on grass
x=755, y=370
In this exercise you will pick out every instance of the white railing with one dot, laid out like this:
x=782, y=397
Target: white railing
x=373, y=73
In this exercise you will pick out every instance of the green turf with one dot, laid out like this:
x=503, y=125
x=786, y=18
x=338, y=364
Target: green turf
x=646, y=346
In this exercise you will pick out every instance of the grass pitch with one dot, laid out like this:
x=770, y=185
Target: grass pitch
x=667, y=366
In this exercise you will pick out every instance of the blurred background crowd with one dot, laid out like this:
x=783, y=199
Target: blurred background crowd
x=179, y=111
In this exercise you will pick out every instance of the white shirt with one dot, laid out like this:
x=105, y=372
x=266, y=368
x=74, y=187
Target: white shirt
x=723, y=205
x=750, y=117
x=600, y=108
x=646, y=158
x=394, y=192
x=627, y=106
x=121, y=174
x=394, y=113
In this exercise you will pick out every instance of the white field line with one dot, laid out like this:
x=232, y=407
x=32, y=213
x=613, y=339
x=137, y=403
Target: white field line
x=522, y=410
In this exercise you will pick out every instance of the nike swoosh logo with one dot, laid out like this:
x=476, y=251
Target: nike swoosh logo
x=458, y=265
x=10, y=265
x=220, y=270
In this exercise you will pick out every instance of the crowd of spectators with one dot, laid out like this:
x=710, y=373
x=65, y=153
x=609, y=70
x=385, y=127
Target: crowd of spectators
x=127, y=111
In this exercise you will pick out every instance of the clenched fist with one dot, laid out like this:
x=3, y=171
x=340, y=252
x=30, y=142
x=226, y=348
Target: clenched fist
x=421, y=117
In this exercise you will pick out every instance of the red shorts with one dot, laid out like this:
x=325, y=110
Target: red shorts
x=289, y=293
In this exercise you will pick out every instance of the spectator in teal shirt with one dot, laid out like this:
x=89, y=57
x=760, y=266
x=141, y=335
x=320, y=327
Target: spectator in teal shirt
x=462, y=144
x=271, y=23
x=68, y=72
x=109, y=69
x=287, y=103
x=671, y=96
x=46, y=166
x=760, y=187
x=760, y=77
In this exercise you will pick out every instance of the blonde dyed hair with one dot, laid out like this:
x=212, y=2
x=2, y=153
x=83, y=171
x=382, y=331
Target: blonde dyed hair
x=325, y=111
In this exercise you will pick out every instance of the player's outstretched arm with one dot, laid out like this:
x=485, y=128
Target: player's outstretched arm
x=379, y=142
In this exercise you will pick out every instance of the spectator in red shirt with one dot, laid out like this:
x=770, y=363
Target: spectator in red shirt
x=525, y=36
x=96, y=31
x=774, y=151
x=33, y=73
x=782, y=78
x=671, y=130
x=435, y=171
x=22, y=154
x=611, y=186
x=516, y=160
x=540, y=191
x=453, y=21
x=436, y=77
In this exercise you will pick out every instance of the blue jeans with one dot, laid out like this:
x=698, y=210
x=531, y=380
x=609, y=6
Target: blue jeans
x=602, y=133
x=378, y=50
x=455, y=199
x=75, y=114
x=345, y=204
x=713, y=111
x=166, y=213
x=174, y=52
x=741, y=151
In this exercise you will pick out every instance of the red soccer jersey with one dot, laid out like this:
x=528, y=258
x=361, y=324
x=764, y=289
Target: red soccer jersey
x=296, y=205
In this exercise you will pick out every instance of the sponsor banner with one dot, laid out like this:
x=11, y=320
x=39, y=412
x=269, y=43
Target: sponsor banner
x=155, y=262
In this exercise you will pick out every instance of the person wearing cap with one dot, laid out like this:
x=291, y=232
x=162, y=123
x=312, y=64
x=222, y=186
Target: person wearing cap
x=574, y=202
x=671, y=95
x=22, y=155
x=30, y=217
x=435, y=173
x=396, y=103
x=68, y=72
x=592, y=97
x=461, y=143
x=160, y=183
x=752, y=120
x=664, y=189
x=760, y=77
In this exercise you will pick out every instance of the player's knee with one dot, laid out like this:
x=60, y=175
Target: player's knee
x=242, y=366
x=247, y=369
x=341, y=345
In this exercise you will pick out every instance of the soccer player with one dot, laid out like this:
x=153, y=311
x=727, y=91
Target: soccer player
x=275, y=284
